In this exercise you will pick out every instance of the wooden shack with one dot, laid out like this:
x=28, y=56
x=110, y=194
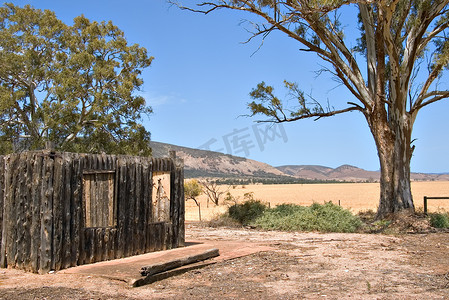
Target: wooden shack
x=59, y=210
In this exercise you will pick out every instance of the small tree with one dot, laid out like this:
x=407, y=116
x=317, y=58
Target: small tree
x=192, y=189
x=213, y=191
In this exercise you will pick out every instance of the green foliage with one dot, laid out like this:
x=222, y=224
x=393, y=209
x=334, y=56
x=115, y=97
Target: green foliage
x=247, y=211
x=72, y=85
x=266, y=103
x=192, y=189
x=223, y=220
x=229, y=199
x=378, y=226
x=439, y=220
x=325, y=218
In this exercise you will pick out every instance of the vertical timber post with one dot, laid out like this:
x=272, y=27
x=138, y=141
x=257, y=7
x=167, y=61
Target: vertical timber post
x=172, y=154
x=425, y=205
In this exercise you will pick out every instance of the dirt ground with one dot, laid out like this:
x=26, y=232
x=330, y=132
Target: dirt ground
x=301, y=266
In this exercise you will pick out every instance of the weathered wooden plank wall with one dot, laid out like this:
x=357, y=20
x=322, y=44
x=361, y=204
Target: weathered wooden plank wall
x=2, y=212
x=47, y=213
x=2, y=192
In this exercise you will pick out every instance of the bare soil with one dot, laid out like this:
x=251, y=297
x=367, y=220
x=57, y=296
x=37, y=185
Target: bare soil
x=301, y=266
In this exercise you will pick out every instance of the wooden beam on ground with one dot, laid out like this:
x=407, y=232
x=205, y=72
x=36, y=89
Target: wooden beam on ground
x=170, y=265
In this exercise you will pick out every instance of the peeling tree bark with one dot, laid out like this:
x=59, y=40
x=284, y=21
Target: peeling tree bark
x=392, y=134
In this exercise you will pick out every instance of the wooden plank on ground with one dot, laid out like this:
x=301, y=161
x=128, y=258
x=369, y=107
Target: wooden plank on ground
x=165, y=266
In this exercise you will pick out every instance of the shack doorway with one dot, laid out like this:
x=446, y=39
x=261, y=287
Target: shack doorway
x=161, y=196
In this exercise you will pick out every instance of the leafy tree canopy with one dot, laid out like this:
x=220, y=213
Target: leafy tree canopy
x=74, y=86
x=192, y=189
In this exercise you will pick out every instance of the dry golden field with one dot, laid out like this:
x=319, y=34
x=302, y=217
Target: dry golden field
x=354, y=196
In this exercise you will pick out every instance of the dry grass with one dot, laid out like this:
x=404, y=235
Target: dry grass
x=354, y=196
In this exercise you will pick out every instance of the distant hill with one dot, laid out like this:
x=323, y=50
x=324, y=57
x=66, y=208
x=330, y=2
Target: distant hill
x=203, y=163
x=342, y=173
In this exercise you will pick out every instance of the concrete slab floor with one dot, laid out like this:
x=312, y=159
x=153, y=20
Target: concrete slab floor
x=128, y=269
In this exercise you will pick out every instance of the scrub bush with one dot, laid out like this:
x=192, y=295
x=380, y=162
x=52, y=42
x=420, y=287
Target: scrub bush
x=317, y=217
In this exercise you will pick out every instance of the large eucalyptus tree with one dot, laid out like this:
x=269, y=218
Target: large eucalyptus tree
x=388, y=86
x=75, y=86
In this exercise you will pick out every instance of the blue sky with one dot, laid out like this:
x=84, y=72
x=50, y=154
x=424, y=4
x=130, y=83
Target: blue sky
x=199, y=81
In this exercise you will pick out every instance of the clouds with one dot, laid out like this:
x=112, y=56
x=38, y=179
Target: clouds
x=156, y=99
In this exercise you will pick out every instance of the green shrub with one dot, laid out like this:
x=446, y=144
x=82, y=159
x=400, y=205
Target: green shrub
x=439, y=220
x=284, y=210
x=223, y=220
x=325, y=218
x=247, y=211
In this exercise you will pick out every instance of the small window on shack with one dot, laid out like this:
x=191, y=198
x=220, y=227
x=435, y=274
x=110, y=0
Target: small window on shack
x=161, y=197
x=99, y=196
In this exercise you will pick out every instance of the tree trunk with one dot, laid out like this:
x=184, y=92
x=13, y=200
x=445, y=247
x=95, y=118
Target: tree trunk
x=395, y=189
x=393, y=138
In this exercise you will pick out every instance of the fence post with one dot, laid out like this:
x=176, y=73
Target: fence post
x=425, y=205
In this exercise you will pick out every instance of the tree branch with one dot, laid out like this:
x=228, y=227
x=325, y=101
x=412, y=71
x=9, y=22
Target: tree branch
x=415, y=42
x=437, y=96
x=368, y=24
x=317, y=116
x=386, y=13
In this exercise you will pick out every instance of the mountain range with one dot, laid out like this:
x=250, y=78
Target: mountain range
x=203, y=163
